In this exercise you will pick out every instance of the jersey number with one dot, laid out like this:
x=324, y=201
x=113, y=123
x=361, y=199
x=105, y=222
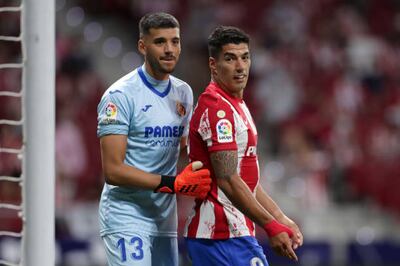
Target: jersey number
x=256, y=262
x=137, y=248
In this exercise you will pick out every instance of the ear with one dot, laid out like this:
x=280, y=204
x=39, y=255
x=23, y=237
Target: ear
x=212, y=64
x=142, y=46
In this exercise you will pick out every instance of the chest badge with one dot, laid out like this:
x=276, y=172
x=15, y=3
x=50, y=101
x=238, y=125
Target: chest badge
x=180, y=109
x=221, y=113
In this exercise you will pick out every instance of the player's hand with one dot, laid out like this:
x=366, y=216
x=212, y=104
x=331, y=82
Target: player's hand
x=297, y=237
x=193, y=181
x=282, y=245
x=280, y=239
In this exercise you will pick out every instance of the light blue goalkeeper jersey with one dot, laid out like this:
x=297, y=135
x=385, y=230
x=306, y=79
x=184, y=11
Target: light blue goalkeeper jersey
x=154, y=115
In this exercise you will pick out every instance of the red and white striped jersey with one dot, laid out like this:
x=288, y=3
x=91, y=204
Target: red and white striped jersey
x=222, y=122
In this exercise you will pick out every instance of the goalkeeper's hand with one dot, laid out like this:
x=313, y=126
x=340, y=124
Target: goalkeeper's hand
x=191, y=181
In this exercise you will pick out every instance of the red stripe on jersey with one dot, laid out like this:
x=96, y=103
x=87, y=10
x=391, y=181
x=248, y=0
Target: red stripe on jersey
x=249, y=222
x=192, y=228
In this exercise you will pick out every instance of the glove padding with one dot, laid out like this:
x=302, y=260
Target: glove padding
x=190, y=182
x=274, y=227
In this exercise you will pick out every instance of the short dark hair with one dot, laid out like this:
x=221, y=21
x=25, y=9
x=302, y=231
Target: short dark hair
x=156, y=21
x=223, y=35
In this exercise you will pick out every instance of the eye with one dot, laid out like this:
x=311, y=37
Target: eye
x=159, y=41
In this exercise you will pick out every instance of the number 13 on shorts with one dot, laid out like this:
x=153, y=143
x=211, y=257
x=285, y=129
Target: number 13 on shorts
x=132, y=247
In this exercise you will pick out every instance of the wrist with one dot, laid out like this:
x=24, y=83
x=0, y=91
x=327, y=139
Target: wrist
x=166, y=184
x=273, y=228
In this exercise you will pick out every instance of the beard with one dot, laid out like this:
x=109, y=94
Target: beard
x=157, y=67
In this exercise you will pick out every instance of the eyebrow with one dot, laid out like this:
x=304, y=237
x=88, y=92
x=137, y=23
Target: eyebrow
x=159, y=39
x=164, y=39
x=232, y=54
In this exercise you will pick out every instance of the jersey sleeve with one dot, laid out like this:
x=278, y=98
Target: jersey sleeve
x=217, y=125
x=113, y=114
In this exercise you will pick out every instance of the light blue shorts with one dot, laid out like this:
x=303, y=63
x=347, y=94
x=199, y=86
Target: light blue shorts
x=131, y=249
x=238, y=251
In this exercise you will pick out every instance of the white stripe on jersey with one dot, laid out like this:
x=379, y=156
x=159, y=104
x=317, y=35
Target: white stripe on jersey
x=206, y=220
x=249, y=117
x=236, y=219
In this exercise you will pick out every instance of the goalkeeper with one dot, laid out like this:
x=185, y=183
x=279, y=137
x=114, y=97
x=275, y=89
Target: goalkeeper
x=143, y=126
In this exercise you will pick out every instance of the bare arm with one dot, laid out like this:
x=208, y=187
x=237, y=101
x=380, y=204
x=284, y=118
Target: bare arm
x=269, y=204
x=224, y=164
x=113, y=148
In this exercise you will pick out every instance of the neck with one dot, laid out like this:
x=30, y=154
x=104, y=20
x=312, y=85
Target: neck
x=238, y=94
x=155, y=74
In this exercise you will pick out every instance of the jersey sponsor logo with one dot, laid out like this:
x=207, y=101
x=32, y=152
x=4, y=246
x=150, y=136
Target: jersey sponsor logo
x=224, y=131
x=163, y=132
x=166, y=143
x=251, y=151
x=146, y=107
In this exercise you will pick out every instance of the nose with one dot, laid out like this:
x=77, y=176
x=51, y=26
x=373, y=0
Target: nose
x=168, y=48
x=240, y=65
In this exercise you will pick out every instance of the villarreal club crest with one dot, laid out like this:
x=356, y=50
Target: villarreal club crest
x=180, y=109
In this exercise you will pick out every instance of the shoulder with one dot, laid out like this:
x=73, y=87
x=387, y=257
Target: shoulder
x=180, y=85
x=126, y=85
x=212, y=100
x=121, y=93
x=182, y=88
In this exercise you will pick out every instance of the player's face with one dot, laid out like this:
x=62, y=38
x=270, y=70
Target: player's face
x=161, y=49
x=231, y=68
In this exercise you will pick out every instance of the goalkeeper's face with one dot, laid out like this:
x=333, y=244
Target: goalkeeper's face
x=161, y=49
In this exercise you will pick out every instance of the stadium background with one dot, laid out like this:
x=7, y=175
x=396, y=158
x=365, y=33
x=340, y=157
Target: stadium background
x=324, y=90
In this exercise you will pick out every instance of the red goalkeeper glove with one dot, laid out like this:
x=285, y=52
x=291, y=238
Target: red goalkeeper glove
x=190, y=182
x=274, y=227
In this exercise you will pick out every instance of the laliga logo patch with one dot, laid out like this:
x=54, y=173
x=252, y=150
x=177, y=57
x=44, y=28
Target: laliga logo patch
x=224, y=131
x=180, y=109
x=110, y=114
x=111, y=110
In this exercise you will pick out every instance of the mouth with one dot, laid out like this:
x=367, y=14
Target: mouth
x=168, y=59
x=240, y=77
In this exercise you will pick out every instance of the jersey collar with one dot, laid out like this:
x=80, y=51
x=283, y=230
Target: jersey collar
x=221, y=91
x=151, y=87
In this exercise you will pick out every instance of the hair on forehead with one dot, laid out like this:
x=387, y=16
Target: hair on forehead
x=223, y=35
x=158, y=20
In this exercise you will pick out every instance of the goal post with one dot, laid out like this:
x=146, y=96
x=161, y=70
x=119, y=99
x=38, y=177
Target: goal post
x=38, y=35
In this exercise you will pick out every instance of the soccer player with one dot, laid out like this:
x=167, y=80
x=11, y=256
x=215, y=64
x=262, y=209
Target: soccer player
x=223, y=136
x=143, y=125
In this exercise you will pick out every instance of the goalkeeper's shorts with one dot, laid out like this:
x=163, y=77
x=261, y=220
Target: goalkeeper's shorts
x=236, y=251
x=131, y=249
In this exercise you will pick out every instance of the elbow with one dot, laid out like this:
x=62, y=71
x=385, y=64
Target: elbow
x=110, y=175
x=226, y=186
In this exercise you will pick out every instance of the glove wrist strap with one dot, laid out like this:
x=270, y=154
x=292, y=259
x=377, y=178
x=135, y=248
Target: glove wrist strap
x=166, y=185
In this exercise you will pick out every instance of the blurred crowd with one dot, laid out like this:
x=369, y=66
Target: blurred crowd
x=324, y=90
